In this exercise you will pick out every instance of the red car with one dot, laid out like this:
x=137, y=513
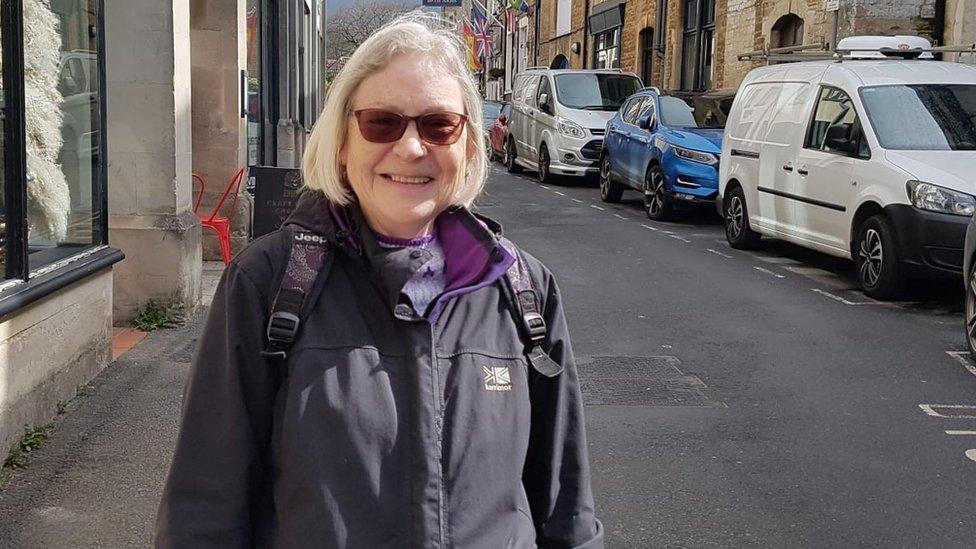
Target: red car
x=497, y=130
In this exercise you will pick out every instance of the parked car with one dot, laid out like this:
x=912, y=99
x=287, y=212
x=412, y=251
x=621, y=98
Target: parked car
x=665, y=145
x=870, y=158
x=559, y=117
x=498, y=132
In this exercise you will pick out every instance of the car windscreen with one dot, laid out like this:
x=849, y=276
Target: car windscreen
x=695, y=111
x=923, y=117
x=490, y=111
x=595, y=91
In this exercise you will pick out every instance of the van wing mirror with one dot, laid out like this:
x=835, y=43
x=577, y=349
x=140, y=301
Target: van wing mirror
x=838, y=138
x=545, y=103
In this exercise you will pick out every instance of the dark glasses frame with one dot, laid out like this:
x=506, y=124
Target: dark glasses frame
x=422, y=121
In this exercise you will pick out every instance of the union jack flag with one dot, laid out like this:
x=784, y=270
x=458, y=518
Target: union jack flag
x=482, y=34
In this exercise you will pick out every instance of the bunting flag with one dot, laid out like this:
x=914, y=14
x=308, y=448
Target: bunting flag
x=474, y=63
x=520, y=5
x=482, y=34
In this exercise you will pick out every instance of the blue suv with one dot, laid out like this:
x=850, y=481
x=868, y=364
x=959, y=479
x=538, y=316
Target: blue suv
x=666, y=145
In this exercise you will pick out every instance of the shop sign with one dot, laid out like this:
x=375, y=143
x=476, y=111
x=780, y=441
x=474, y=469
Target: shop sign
x=275, y=193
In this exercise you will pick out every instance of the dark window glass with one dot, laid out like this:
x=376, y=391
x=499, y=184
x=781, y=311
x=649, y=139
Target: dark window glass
x=633, y=109
x=695, y=111
x=63, y=125
x=935, y=117
x=601, y=92
x=544, y=88
x=834, y=108
x=3, y=173
x=647, y=57
x=691, y=15
x=607, y=51
x=662, y=25
x=689, y=61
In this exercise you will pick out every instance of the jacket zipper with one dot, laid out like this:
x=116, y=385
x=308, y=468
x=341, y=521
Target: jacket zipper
x=439, y=429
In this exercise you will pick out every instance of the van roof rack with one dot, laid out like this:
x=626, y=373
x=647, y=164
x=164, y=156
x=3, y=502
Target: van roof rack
x=823, y=52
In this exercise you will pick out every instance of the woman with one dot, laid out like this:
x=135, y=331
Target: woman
x=406, y=413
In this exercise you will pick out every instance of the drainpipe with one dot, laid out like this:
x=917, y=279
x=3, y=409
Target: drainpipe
x=586, y=31
x=938, y=25
x=535, y=48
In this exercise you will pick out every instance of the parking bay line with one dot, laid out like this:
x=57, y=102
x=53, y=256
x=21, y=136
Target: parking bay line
x=845, y=301
x=649, y=227
x=961, y=356
x=767, y=271
x=597, y=207
x=960, y=433
x=543, y=186
x=559, y=193
x=965, y=411
x=618, y=216
x=681, y=238
x=716, y=252
x=577, y=200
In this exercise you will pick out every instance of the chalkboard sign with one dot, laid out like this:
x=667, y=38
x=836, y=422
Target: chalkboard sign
x=275, y=192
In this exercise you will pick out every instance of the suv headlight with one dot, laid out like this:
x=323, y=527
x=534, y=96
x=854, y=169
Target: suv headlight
x=696, y=156
x=926, y=196
x=570, y=128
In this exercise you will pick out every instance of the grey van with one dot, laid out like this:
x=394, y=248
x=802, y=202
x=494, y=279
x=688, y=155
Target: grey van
x=559, y=117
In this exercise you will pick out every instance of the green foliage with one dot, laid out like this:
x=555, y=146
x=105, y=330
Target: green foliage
x=33, y=438
x=154, y=316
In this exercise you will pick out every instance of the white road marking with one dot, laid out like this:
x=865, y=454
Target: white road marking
x=668, y=232
x=963, y=358
x=559, y=193
x=808, y=271
x=845, y=301
x=716, y=252
x=961, y=432
x=930, y=410
x=767, y=271
x=597, y=207
x=543, y=186
x=620, y=217
x=681, y=238
x=971, y=454
x=649, y=227
x=577, y=200
x=776, y=260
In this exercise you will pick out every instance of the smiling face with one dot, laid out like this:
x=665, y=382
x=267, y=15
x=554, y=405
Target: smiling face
x=402, y=186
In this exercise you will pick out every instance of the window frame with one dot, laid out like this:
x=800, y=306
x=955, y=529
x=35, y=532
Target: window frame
x=22, y=284
x=700, y=31
x=615, y=35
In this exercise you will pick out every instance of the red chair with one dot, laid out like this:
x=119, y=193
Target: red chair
x=218, y=223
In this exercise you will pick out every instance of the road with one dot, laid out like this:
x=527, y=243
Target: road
x=752, y=399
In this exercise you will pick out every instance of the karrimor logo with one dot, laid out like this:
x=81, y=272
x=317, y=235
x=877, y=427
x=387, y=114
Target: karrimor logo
x=308, y=237
x=497, y=378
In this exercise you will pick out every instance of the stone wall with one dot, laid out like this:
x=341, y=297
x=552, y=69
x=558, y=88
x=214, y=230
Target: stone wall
x=550, y=45
x=36, y=374
x=150, y=154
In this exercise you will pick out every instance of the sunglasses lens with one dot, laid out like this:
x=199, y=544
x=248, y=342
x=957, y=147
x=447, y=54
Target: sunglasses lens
x=441, y=128
x=380, y=126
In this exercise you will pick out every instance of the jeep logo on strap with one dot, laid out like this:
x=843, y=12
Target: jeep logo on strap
x=309, y=237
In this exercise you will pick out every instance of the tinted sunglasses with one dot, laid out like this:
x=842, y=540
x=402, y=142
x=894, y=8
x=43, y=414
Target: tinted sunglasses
x=435, y=128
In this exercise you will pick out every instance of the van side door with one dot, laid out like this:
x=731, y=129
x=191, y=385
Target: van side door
x=825, y=170
x=528, y=140
x=545, y=120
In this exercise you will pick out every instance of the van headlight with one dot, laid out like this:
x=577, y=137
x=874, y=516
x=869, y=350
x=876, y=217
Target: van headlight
x=696, y=156
x=926, y=196
x=570, y=128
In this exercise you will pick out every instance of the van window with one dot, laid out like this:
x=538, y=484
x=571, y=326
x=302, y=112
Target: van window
x=932, y=117
x=834, y=108
x=775, y=112
x=633, y=108
x=544, y=88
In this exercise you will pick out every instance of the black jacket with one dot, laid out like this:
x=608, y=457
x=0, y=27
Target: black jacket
x=386, y=429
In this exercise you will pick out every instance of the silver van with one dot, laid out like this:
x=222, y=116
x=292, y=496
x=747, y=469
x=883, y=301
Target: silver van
x=559, y=117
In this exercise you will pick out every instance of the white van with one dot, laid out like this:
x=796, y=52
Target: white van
x=559, y=117
x=867, y=157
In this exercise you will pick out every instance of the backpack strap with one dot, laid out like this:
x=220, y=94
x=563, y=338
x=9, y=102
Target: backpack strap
x=308, y=261
x=525, y=303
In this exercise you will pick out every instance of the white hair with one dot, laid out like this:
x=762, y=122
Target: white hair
x=414, y=33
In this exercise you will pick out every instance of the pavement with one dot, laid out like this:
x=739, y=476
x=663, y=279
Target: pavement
x=733, y=399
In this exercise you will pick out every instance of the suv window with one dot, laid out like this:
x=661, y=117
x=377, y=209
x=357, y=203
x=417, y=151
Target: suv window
x=835, y=108
x=647, y=108
x=630, y=113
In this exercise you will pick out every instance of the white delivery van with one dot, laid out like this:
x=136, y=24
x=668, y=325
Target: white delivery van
x=869, y=156
x=559, y=117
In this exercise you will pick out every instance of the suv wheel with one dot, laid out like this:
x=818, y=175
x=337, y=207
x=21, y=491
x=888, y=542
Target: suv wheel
x=656, y=205
x=544, y=175
x=971, y=310
x=510, y=157
x=737, y=230
x=609, y=190
x=876, y=259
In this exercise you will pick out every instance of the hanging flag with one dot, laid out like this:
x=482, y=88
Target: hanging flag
x=482, y=35
x=521, y=5
x=474, y=63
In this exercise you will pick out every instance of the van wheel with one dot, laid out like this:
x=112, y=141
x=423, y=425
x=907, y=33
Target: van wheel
x=610, y=191
x=544, y=175
x=656, y=205
x=737, y=230
x=510, y=157
x=877, y=261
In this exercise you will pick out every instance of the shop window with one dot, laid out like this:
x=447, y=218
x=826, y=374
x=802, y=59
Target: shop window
x=607, y=49
x=52, y=185
x=787, y=31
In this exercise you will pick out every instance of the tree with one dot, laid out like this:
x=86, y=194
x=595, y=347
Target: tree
x=349, y=27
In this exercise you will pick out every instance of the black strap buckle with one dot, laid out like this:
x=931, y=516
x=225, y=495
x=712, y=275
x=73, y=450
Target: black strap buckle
x=536, y=326
x=282, y=330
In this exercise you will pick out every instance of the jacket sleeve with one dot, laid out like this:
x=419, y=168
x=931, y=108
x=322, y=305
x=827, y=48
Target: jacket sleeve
x=217, y=479
x=557, y=471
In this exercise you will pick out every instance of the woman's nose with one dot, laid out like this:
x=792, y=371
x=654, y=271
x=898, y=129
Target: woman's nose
x=410, y=146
